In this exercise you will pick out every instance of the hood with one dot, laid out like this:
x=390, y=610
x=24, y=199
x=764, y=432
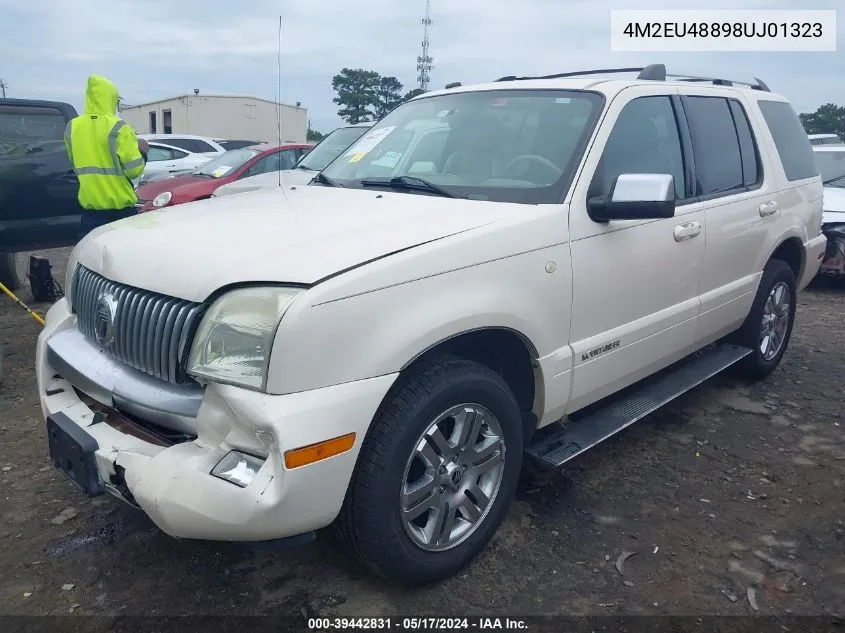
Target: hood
x=270, y=179
x=187, y=186
x=834, y=205
x=101, y=96
x=300, y=235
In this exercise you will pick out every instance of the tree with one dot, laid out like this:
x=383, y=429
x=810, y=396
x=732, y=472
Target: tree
x=313, y=136
x=413, y=93
x=828, y=119
x=357, y=94
x=389, y=95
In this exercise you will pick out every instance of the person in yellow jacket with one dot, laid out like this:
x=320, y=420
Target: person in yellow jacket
x=106, y=156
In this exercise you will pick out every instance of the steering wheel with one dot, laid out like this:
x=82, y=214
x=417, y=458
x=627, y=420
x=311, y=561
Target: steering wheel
x=527, y=158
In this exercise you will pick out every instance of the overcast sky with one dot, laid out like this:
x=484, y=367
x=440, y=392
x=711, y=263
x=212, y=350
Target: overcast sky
x=159, y=48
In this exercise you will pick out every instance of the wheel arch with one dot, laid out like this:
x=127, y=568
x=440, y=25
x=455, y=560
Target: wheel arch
x=506, y=351
x=791, y=251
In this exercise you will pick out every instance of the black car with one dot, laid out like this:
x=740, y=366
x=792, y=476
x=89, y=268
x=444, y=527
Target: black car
x=38, y=188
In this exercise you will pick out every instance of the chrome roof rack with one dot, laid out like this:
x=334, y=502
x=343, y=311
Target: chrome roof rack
x=652, y=72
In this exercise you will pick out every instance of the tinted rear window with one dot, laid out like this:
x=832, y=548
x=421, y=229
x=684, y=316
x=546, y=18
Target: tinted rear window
x=791, y=140
x=230, y=145
x=718, y=160
x=747, y=146
x=190, y=144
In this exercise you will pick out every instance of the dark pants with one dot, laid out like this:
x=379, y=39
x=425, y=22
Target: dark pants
x=94, y=219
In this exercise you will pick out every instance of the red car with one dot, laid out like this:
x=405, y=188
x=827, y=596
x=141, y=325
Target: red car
x=204, y=181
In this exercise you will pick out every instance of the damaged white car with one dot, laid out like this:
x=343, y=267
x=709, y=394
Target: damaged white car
x=474, y=282
x=831, y=162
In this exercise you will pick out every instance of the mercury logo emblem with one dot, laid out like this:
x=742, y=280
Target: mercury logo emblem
x=104, y=320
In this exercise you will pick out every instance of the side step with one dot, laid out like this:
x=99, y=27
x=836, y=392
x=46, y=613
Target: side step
x=584, y=430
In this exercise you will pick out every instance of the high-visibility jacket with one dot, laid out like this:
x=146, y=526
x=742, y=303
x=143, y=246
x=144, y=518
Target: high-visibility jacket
x=103, y=150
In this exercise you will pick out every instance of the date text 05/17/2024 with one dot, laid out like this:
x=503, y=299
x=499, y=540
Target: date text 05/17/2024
x=415, y=624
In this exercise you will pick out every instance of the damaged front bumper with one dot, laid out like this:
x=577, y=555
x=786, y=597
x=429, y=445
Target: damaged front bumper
x=833, y=264
x=168, y=475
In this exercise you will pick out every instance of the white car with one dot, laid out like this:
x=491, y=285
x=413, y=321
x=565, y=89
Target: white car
x=831, y=162
x=824, y=139
x=165, y=159
x=189, y=143
x=469, y=285
x=308, y=166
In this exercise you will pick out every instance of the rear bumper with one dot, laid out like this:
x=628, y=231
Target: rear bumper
x=173, y=484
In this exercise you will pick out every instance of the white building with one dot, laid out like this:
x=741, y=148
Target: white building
x=219, y=116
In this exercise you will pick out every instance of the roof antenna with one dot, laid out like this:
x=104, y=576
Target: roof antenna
x=279, y=97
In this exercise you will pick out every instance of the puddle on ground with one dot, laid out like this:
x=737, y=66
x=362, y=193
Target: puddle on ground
x=108, y=534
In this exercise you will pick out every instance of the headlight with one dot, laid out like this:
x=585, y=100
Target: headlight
x=233, y=342
x=162, y=199
x=70, y=281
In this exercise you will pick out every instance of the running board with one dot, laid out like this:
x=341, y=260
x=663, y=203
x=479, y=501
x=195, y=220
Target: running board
x=581, y=432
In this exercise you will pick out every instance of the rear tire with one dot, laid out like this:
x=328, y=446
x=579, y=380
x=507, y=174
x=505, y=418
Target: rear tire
x=402, y=484
x=768, y=326
x=9, y=270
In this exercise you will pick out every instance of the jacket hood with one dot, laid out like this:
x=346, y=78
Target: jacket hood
x=100, y=96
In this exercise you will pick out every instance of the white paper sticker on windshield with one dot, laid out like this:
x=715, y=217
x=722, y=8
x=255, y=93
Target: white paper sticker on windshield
x=368, y=142
x=221, y=171
x=388, y=160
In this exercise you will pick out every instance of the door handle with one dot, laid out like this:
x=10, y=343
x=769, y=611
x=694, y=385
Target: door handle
x=687, y=230
x=768, y=208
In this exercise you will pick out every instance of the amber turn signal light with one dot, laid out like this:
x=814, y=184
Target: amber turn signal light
x=319, y=451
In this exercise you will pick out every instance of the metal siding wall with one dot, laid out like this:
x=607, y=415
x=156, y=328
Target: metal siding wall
x=222, y=117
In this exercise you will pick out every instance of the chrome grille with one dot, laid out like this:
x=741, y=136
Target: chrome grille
x=151, y=331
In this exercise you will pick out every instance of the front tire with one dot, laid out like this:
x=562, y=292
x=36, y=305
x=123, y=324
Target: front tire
x=437, y=472
x=768, y=326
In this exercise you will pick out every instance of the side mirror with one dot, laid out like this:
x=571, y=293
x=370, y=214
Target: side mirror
x=635, y=197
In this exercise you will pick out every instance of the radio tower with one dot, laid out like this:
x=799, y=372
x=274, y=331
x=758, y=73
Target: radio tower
x=424, y=61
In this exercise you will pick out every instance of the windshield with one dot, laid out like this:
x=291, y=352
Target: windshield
x=500, y=145
x=832, y=167
x=226, y=164
x=330, y=148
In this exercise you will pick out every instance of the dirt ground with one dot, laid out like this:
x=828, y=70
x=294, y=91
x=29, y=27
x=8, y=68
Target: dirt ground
x=730, y=498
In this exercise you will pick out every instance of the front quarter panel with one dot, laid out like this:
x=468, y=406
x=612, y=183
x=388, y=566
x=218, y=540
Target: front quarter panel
x=362, y=325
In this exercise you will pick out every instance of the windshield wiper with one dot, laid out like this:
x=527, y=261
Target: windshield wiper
x=304, y=167
x=409, y=182
x=321, y=177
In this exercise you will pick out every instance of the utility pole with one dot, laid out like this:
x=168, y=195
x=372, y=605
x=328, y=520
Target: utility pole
x=3, y=86
x=424, y=61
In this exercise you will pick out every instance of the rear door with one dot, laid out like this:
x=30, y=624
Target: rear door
x=162, y=159
x=38, y=188
x=735, y=194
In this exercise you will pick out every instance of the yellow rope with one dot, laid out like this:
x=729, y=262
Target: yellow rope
x=34, y=315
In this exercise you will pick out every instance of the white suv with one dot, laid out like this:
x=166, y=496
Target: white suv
x=471, y=284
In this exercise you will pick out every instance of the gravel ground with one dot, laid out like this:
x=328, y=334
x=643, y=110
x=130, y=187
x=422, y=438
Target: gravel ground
x=733, y=491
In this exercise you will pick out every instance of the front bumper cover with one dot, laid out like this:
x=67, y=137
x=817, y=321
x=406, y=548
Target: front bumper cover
x=173, y=485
